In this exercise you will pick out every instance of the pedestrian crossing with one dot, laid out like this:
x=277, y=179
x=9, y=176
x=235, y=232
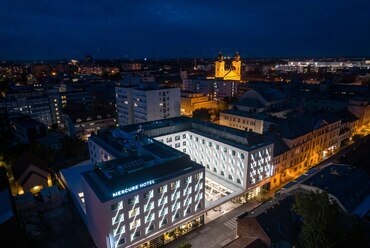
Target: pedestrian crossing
x=225, y=242
x=231, y=223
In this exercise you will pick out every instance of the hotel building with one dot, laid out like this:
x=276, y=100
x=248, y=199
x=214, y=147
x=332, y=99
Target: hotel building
x=149, y=182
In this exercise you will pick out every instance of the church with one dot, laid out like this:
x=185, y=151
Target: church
x=231, y=73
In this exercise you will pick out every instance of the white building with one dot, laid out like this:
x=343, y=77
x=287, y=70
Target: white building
x=141, y=190
x=141, y=104
x=234, y=156
x=135, y=194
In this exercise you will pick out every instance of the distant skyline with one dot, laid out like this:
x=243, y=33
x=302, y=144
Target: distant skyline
x=44, y=30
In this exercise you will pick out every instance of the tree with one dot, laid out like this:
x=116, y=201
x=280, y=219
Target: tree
x=73, y=146
x=320, y=221
x=202, y=114
x=43, y=152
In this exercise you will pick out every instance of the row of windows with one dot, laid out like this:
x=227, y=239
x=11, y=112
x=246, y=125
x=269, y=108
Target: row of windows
x=137, y=223
x=162, y=189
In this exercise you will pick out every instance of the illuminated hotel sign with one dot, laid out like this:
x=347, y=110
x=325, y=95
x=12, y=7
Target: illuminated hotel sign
x=133, y=188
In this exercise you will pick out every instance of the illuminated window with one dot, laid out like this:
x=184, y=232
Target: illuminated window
x=149, y=217
x=175, y=196
x=133, y=212
x=187, y=191
x=119, y=230
x=198, y=176
x=134, y=224
x=175, y=185
x=176, y=206
x=188, y=201
x=162, y=189
x=187, y=180
x=116, y=219
x=163, y=212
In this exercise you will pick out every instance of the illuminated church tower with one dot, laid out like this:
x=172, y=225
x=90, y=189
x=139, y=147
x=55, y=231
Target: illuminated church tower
x=233, y=73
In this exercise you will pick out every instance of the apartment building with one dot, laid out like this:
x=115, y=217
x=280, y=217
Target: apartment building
x=309, y=139
x=141, y=104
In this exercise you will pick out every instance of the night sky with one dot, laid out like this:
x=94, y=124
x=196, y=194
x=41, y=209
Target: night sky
x=61, y=29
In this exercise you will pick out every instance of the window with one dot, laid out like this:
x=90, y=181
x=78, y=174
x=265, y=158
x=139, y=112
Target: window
x=230, y=177
x=134, y=200
x=177, y=137
x=187, y=202
x=162, y=189
x=162, y=201
x=164, y=222
x=184, y=136
x=238, y=181
x=199, y=176
x=148, y=194
x=116, y=206
x=169, y=139
x=119, y=230
x=175, y=185
x=176, y=216
x=121, y=241
x=176, y=206
x=163, y=212
x=184, y=143
x=175, y=196
x=149, y=217
x=150, y=228
x=177, y=145
x=215, y=169
x=136, y=235
x=187, y=211
x=187, y=191
x=149, y=206
x=133, y=212
x=222, y=173
x=187, y=180
x=134, y=224
x=118, y=218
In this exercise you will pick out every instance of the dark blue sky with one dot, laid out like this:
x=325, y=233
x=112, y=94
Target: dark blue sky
x=57, y=29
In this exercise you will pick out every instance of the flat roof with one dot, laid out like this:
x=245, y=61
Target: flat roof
x=231, y=136
x=134, y=178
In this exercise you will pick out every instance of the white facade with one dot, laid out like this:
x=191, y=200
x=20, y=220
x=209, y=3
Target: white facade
x=134, y=218
x=245, y=169
x=136, y=105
